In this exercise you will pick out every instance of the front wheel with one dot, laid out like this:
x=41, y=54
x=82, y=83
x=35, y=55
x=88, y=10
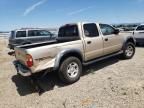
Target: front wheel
x=129, y=51
x=70, y=70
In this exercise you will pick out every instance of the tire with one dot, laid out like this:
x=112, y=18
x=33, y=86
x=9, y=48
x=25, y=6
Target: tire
x=128, y=51
x=70, y=70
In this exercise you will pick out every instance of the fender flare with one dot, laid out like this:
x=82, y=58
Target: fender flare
x=67, y=52
x=131, y=38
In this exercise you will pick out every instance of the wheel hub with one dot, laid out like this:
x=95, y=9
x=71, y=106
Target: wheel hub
x=72, y=70
x=129, y=51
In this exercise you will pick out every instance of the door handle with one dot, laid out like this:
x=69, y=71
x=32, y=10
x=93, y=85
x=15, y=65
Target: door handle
x=89, y=42
x=106, y=39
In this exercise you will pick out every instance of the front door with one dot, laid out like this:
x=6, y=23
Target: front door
x=112, y=41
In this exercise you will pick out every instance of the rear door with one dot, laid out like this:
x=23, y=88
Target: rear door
x=45, y=35
x=112, y=42
x=93, y=41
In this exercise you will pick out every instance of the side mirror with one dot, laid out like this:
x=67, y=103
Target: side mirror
x=116, y=31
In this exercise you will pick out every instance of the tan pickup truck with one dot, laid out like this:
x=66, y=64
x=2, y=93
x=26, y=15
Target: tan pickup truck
x=77, y=44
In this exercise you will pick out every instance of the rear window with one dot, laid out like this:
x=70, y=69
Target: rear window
x=140, y=28
x=21, y=34
x=68, y=31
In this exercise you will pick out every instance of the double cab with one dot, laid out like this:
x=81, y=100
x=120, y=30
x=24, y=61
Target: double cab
x=78, y=44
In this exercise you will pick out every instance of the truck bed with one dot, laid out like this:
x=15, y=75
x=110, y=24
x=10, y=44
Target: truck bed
x=58, y=40
x=29, y=46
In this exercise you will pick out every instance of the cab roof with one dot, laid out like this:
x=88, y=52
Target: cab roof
x=77, y=23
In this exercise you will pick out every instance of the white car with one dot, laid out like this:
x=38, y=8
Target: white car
x=139, y=34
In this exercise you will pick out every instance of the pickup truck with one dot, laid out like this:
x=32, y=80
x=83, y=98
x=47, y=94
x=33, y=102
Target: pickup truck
x=77, y=45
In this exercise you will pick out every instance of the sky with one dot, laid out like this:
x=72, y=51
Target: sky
x=16, y=14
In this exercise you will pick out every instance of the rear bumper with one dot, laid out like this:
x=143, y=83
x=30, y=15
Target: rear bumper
x=26, y=72
x=22, y=70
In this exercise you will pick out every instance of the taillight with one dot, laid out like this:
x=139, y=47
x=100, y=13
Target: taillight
x=29, y=60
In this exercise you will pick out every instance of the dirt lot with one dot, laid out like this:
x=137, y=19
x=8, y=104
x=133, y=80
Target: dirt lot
x=112, y=83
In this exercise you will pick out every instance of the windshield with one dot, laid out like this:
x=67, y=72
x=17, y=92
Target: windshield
x=140, y=28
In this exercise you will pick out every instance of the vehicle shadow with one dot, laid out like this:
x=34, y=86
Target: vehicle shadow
x=93, y=68
x=51, y=80
x=47, y=83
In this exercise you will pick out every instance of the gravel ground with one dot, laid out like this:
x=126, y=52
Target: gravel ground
x=112, y=83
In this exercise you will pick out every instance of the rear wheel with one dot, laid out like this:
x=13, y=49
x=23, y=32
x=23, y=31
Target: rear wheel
x=70, y=70
x=129, y=51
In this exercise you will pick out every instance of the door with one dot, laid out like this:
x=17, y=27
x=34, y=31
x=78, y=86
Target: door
x=112, y=40
x=139, y=33
x=45, y=35
x=93, y=41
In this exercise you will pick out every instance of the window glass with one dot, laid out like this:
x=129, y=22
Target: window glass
x=39, y=33
x=32, y=33
x=91, y=30
x=106, y=29
x=12, y=34
x=140, y=28
x=21, y=34
x=44, y=33
x=68, y=31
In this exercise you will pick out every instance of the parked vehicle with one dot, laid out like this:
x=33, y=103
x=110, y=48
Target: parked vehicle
x=29, y=36
x=139, y=34
x=77, y=44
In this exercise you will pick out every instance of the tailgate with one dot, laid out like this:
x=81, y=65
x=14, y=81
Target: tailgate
x=20, y=55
